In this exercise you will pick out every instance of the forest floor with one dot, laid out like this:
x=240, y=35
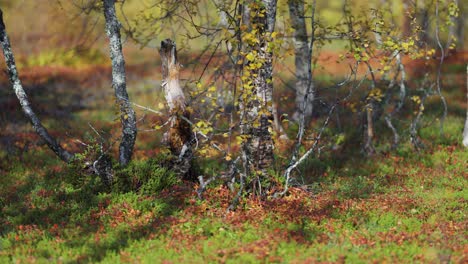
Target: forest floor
x=397, y=207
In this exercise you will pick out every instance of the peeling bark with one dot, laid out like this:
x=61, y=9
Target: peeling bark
x=180, y=134
x=23, y=98
x=127, y=114
x=302, y=61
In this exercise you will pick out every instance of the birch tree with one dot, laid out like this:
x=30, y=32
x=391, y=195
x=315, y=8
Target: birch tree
x=102, y=166
x=460, y=28
x=406, y=25
x=23, y=98
x=465, y=131
x=256, y=99
x=304, y=93
x=127, y=114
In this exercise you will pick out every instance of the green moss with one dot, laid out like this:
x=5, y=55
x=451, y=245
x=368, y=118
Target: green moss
x=146, y=177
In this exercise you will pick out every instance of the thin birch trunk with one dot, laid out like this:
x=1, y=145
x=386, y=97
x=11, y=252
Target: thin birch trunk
x=406, y=19
x=465, y=131
x=400, y=70
x=302, y=61
x=221, y=5
x=180, y=134
x=425, y=27
x=452, y=32
x=389, y=116
x=460, y=29
x=127, y=114
x=23, y=98
x=256, y=97
x=369, y=127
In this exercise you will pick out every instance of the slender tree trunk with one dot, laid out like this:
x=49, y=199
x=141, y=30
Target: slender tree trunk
x=127, y=114
x=465, y=131
x=23, y=98
x=263, y=142
x=369, y=127
x=460, y=26
x=223, y=15
x=256, y=98
x=452, y=32
x=406, y=19
x=302, y=60
x=400, y=70
x=180, y=134
x=425, y=27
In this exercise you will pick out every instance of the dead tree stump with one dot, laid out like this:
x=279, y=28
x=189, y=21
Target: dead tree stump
x=180, y=134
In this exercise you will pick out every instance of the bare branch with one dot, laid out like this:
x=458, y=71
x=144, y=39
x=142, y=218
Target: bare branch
x=439, y=68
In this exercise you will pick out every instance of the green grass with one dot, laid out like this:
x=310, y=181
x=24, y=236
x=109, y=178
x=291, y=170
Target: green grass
x=404, y=212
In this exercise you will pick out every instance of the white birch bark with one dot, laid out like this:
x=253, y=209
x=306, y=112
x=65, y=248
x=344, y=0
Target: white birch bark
x=302, y=60
x=258, y=118
x=127, y=114
x=23, y=98
x=452, y=31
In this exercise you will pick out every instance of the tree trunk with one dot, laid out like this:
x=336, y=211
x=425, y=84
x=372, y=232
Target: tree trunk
x=406, y=19
x=302, y=60
x=369, y=127
x=424, y=37
x=180, y=134
x=23, y=98
x=256, y=98
x=127, y=114
x=460, y=27
x=465, y=131
x=452, y=33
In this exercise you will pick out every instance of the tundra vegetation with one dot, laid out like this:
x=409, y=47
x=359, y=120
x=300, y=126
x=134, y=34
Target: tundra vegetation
x=233, y=131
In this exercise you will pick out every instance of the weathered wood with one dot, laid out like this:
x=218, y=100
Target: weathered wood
x=23, y=98
x=127, y=114
x=180, y=133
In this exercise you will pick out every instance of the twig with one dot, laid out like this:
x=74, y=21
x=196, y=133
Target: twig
x=439, y=69
x=294, y=164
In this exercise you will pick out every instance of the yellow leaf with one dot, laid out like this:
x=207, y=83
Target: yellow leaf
x=212, y=89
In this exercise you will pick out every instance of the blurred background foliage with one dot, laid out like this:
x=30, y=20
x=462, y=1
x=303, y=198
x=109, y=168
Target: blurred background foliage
x=69, y=33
